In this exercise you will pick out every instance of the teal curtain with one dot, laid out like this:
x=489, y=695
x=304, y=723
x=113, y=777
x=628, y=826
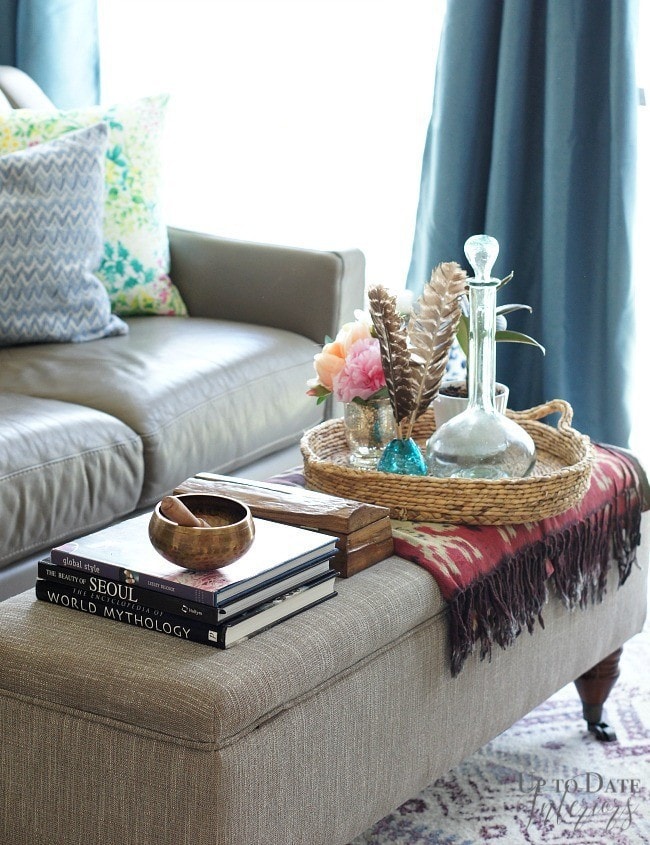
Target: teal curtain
x=532, y=140
x=56, y=43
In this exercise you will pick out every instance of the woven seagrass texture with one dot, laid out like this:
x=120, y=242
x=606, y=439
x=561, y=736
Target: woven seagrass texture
x=559, y=480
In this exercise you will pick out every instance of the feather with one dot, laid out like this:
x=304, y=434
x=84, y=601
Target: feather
x=431, y=332
x=395, y=356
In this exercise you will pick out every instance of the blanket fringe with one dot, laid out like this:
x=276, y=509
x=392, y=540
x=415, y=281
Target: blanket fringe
x=498, y=607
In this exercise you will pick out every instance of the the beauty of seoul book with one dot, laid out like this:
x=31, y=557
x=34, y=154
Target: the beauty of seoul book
x=175, y=604
x=223, y=635
x=124, y=553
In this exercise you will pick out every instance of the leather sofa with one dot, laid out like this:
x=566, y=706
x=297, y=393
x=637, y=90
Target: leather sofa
x=93, y=432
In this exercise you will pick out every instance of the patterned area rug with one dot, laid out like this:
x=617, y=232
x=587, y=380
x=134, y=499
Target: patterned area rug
x=545, y=781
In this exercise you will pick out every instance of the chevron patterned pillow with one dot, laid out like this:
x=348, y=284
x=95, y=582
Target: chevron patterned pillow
x=51, y=207
x=135, y=264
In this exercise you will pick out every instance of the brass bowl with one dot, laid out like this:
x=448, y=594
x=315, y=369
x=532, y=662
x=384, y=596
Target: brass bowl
x=230, y=534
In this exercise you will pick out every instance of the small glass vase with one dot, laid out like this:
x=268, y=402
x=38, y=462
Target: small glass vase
x=402, y=457
x=369, y=427
x=480, y=442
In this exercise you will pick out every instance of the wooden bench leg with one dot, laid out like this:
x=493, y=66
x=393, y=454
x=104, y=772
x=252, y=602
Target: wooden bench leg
x=593, y=688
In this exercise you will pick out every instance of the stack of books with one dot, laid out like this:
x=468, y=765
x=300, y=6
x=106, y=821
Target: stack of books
x=117, y=574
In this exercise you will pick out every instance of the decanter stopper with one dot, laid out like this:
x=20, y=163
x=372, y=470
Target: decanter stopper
x=482, y=252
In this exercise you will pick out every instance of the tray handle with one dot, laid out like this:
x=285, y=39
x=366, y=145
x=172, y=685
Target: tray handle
x=540, y=411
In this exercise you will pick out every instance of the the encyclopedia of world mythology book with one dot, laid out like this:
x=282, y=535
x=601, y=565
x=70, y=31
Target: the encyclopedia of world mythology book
x=222, y=635
x=123, y=552
x=177, y=605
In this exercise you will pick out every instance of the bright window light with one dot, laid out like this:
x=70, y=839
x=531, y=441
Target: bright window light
x=300, y=122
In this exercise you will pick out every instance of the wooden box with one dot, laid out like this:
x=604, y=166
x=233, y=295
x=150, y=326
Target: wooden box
x=363, y=530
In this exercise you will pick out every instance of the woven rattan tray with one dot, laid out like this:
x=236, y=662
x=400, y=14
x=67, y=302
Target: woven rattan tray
x=559, y=480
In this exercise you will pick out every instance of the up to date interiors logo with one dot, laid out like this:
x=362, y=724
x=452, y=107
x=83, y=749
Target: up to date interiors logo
x=586, y=800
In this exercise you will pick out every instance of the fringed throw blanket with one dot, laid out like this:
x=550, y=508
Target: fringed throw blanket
x=495, y=578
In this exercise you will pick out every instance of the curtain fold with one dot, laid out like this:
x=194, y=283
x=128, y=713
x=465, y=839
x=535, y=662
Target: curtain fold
x=532, y=140
x=56, y=43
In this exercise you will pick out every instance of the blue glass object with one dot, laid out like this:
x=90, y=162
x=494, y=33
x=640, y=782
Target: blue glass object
x=402, y=457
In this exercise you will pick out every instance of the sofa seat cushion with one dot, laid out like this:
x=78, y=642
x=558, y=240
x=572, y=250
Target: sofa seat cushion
x=202, y=394
x=64, y=470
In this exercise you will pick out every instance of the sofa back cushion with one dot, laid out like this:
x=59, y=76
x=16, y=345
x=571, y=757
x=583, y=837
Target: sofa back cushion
x=51, y=204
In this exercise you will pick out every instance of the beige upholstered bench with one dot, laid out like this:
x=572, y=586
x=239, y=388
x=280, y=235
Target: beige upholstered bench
x=307, y=733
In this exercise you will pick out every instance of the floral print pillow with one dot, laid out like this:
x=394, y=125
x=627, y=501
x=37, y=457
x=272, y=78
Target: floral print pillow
x=135, y=263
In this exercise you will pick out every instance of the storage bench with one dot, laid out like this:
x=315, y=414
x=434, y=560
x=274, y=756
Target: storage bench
x=307, y=733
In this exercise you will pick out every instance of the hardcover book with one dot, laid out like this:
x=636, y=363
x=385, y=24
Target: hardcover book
x=175, y=604
x=222, y=635
x=123, y=552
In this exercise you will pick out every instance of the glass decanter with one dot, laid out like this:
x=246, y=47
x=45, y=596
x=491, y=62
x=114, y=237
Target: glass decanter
x=480, y=442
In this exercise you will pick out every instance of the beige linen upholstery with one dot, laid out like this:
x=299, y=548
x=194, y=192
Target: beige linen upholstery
x=306, y=734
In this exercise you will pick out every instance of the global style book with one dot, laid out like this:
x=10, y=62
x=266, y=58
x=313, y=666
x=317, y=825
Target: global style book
x=123, y=553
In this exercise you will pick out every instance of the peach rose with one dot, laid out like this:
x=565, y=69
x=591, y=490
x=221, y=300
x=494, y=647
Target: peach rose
x=329, y=362
x=350, y=333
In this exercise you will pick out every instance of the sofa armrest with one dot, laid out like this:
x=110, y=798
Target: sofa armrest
x=304, y=291
x=20, y=91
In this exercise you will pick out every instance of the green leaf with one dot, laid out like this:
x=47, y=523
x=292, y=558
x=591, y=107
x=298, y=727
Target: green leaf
x=505, y=281
x=320, y=392
x=518, y=337
x=462, y=334
x=508, y=309
x=382, y=393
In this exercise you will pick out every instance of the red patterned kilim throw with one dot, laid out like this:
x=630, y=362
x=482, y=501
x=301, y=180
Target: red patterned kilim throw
x=495, y=578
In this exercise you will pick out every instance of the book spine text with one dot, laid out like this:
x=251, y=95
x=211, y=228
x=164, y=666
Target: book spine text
x=117, y=573
x=110, y=588
x=137, y=615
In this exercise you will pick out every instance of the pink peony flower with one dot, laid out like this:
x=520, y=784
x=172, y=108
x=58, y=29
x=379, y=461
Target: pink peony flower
x=362, y=374
x=330, y=361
